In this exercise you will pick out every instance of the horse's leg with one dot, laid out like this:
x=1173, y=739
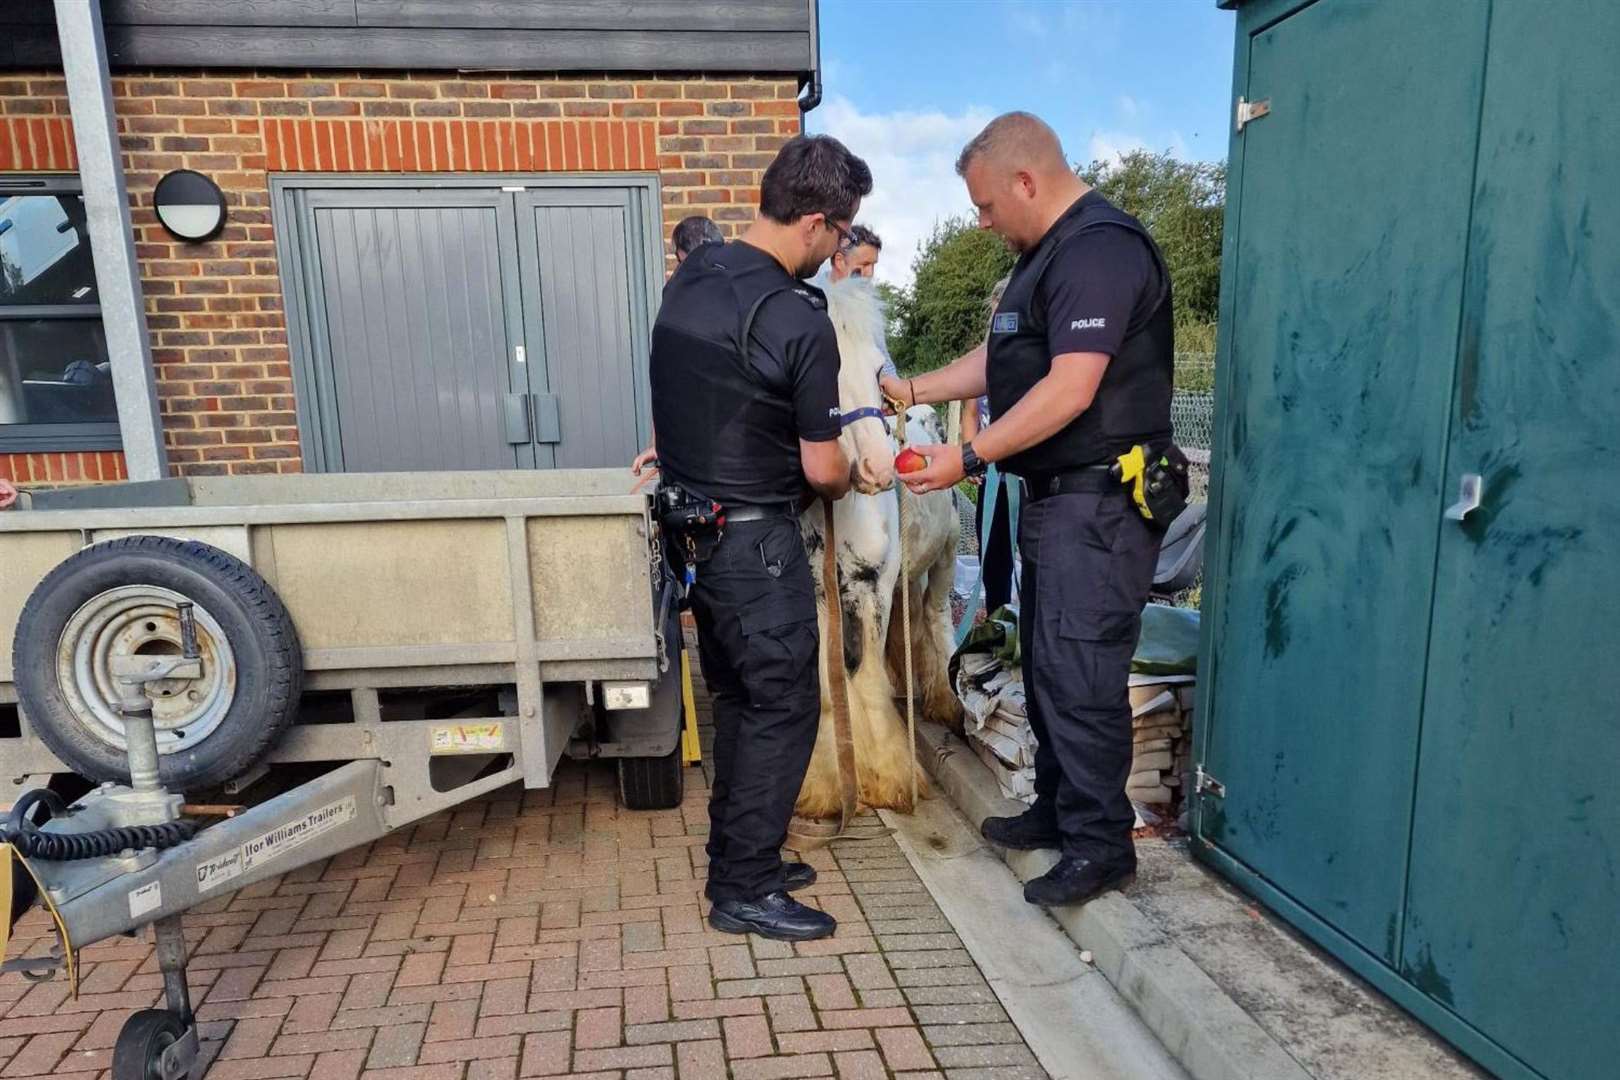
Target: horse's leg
x=933, y=642
x=884, y=758
x=863, y=574
x=932, y=535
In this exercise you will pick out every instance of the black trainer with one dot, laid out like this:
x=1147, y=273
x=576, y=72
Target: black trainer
x=798, y=875
x=1029, y=831
x=1074, y=881
x=776, y=916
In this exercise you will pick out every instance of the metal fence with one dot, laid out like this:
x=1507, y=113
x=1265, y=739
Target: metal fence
x=1192, y=414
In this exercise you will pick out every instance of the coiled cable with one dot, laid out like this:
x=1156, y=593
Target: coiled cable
x=27, y=837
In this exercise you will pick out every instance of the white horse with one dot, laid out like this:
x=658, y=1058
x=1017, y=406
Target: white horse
x=867, y=522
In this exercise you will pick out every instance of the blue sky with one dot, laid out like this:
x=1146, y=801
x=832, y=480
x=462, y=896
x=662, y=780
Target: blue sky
x=907, y=82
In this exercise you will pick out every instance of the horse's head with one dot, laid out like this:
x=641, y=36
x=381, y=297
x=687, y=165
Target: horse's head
x=857, y=317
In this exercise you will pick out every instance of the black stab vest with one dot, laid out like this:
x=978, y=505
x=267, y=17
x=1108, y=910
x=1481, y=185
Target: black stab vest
x=1132, y=404
x=725, y=428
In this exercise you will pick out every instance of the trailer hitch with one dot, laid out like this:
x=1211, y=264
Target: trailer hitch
x=154, y=1044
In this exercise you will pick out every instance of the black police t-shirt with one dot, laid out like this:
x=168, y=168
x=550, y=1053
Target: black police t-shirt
x=730, y=432
x=1099, y=284
x=1094, y=284
x=793, y=345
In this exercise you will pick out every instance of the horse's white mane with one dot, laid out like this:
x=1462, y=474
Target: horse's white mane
x=857, y=316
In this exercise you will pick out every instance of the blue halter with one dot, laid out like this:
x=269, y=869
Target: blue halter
x=846, y=419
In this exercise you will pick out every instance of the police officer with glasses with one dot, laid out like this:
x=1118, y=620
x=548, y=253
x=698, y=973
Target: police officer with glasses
x=744, y=371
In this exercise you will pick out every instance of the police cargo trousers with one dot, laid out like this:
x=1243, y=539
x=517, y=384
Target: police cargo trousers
x=1088, y=565
x=755, y=607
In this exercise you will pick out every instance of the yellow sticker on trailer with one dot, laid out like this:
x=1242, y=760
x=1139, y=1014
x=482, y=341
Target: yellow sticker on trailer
x=10, y=857
x=481, y=738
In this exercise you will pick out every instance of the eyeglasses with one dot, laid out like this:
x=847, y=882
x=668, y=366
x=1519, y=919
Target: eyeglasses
x=845, y=239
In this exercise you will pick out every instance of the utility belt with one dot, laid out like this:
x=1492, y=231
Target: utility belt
x=694, y=524
x=1155, y=476
x=1090, y=479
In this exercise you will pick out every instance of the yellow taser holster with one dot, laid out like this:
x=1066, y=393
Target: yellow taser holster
x=1132, y=472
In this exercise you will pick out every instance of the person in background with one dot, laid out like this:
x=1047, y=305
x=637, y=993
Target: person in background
x=691, y=234
x=858, y=258
x=8, y=494
x=996, y=555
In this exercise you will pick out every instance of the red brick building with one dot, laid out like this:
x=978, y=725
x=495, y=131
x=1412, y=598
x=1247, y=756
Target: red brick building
x=421, y=265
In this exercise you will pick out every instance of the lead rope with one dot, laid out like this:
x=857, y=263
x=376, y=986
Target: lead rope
x=905, y=611
x=803, y=833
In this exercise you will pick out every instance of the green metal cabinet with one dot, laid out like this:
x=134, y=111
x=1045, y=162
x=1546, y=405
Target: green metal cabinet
x=1410, y=743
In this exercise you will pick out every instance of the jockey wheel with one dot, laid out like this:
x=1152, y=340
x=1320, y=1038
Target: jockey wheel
x=158, y=1044
x=155, y=1044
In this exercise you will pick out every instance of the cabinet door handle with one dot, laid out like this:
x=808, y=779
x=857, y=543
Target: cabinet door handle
x=547, y=418
x=515, y=417
x=1469, y=493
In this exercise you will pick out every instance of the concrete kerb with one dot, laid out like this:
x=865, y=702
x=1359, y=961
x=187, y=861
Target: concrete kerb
x=1197, y=1021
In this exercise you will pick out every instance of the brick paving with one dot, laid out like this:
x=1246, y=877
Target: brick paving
x=541, y=934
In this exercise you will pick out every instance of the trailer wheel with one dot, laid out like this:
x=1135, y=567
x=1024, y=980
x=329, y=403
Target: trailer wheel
x=138, y=1053
x=118, y=599
x=652, y=783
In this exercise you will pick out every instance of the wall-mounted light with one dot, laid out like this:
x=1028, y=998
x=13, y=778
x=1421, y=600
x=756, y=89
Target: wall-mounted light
x=189, y=205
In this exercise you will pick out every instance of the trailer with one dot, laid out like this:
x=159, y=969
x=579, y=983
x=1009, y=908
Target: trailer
x=399, y=643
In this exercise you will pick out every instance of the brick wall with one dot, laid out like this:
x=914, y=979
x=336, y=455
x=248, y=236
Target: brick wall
x=55, y=470
x=219, y=340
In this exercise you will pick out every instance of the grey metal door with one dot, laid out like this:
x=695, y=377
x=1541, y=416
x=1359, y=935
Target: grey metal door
x=585, y=313
x=414, y=320
x=467, y=325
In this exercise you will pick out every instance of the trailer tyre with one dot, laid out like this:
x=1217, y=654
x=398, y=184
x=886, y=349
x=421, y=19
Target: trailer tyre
x=652, y=783
x=138, y=1053
x=119, y=598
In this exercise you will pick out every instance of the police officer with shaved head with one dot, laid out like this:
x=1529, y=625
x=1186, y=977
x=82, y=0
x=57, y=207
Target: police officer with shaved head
x=1078, y=366
x=744, y=372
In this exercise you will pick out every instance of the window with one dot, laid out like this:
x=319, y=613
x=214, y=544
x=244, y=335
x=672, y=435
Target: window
x=56, y=390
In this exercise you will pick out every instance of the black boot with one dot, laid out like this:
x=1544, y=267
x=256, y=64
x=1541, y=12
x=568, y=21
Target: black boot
x=776, y=915
x=798, y=875
x=1029, y=831
x=1074, y=881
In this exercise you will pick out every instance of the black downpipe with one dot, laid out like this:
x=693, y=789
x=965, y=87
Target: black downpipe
x=812, y=84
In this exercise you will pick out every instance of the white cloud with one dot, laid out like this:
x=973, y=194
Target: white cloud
x=1063, y=22
x=1030, y=22
x=913, y=160
x=1111, y=145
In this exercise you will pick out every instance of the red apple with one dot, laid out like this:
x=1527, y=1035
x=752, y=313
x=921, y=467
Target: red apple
x=909, y=461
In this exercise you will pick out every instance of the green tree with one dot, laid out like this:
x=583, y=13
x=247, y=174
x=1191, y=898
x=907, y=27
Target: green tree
x=942, y=314
x=11, y=279
x=892, y=296
x=1181, y=203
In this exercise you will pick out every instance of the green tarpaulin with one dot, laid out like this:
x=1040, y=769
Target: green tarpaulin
x=1168, y=646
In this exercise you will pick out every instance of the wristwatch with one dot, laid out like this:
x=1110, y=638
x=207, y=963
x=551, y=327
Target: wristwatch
x=971, y=465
